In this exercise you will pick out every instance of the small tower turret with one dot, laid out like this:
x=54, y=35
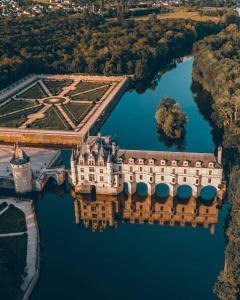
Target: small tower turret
x=22, y=172
x=73, y=169
x=219, y=155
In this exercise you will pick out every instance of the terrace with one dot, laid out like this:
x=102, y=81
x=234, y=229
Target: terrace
x=66, y=106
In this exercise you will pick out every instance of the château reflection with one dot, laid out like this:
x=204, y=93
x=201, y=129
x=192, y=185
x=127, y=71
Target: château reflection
x=104, y=211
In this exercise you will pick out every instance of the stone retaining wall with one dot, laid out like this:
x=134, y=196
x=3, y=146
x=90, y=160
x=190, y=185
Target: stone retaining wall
x=93, y=120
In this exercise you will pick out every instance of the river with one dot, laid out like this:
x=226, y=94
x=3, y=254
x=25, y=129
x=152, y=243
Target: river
x=132, y=261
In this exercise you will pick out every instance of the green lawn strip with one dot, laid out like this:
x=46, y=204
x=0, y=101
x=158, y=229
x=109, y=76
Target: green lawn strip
x=53, y=120
x=91, y=96
x=34, y=92
x=78, y=110
x=84, y=86
x=3, y=205
x=13, y=253
x=12, y=220
x=15, y=105
x=56, y=86
x=15, y=120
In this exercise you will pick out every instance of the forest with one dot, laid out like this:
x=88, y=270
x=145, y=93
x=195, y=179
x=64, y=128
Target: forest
x=89, y=44
x=216, y=68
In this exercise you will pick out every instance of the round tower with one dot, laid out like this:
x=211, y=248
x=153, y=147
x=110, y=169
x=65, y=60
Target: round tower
x=21, y=168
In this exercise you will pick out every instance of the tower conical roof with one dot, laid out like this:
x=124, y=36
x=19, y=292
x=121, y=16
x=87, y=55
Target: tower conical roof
x=19, y=156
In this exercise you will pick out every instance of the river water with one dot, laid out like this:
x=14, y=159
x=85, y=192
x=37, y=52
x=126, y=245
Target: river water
x=132, y=261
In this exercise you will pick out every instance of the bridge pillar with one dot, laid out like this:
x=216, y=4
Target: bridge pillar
x=132, y=187
x=76, y=209
x=195, y=190
x=151, y=189
x=172, y=190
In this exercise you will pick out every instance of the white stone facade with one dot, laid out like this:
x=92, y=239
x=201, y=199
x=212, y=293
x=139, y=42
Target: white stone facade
x=99, y=165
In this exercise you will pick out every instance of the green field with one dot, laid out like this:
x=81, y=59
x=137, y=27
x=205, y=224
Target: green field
x=3, y=205
x=13, y=262
x=77, y=110
x=12, y=220
x=35, y=92
x=91, y=96
x=16, y=105
x=84, y=86
x=52, y=120
x=17, y=119
x=56, y=86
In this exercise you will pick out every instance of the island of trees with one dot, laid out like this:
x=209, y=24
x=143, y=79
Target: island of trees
x=170, y=119
x=216, y=68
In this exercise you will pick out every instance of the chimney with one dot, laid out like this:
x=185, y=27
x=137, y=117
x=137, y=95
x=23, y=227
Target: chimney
x=219, y=155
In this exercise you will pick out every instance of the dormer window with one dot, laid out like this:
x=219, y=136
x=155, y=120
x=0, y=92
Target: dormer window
x=101, y=163
x=198, y=164
x=119, y=160
x=174, y=163
x=81, y=162
x=131, y=160
x=91, y=162
x=185, y=163
x=211, y=165
x=163, y=162
x=151, y=162
x=140, y=161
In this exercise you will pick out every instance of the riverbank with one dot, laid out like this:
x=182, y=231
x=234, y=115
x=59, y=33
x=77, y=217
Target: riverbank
x=32, y=257
x=219, y=76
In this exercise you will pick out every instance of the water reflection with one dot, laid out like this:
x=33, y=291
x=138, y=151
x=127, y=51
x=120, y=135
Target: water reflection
x=109, y=211
x=180, y=143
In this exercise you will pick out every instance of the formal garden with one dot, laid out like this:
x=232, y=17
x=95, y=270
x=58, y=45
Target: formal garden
x=54, y=102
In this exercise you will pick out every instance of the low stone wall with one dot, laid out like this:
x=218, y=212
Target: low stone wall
x=93, y=119
x=9, y=135
x=33, y=281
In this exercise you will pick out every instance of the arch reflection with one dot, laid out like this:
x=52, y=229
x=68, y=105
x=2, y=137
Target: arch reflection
x=109, y=211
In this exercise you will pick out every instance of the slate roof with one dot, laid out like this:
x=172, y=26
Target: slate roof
x=179, y=157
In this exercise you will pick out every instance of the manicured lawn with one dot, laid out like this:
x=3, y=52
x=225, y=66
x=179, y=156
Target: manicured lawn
x=17, y=119
x=91, y=96
x=86, y=86
x=53, y=120
x=77, y=110
x=2, y=205
x=13, y=252
x=12, y=220
x=16, y=105
x=56, y=86
x=35, y=92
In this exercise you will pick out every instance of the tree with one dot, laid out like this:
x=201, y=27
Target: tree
x=170, y=119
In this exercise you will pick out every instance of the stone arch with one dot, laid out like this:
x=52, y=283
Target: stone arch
x=52, y=180
x=126, y=188
x=93, y=191
x=162, y=190
x=142, y=189
x=184, y=191
x=208, y=193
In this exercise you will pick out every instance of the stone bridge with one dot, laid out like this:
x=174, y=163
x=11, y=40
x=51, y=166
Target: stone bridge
x=99, y=166
x=57, y=174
